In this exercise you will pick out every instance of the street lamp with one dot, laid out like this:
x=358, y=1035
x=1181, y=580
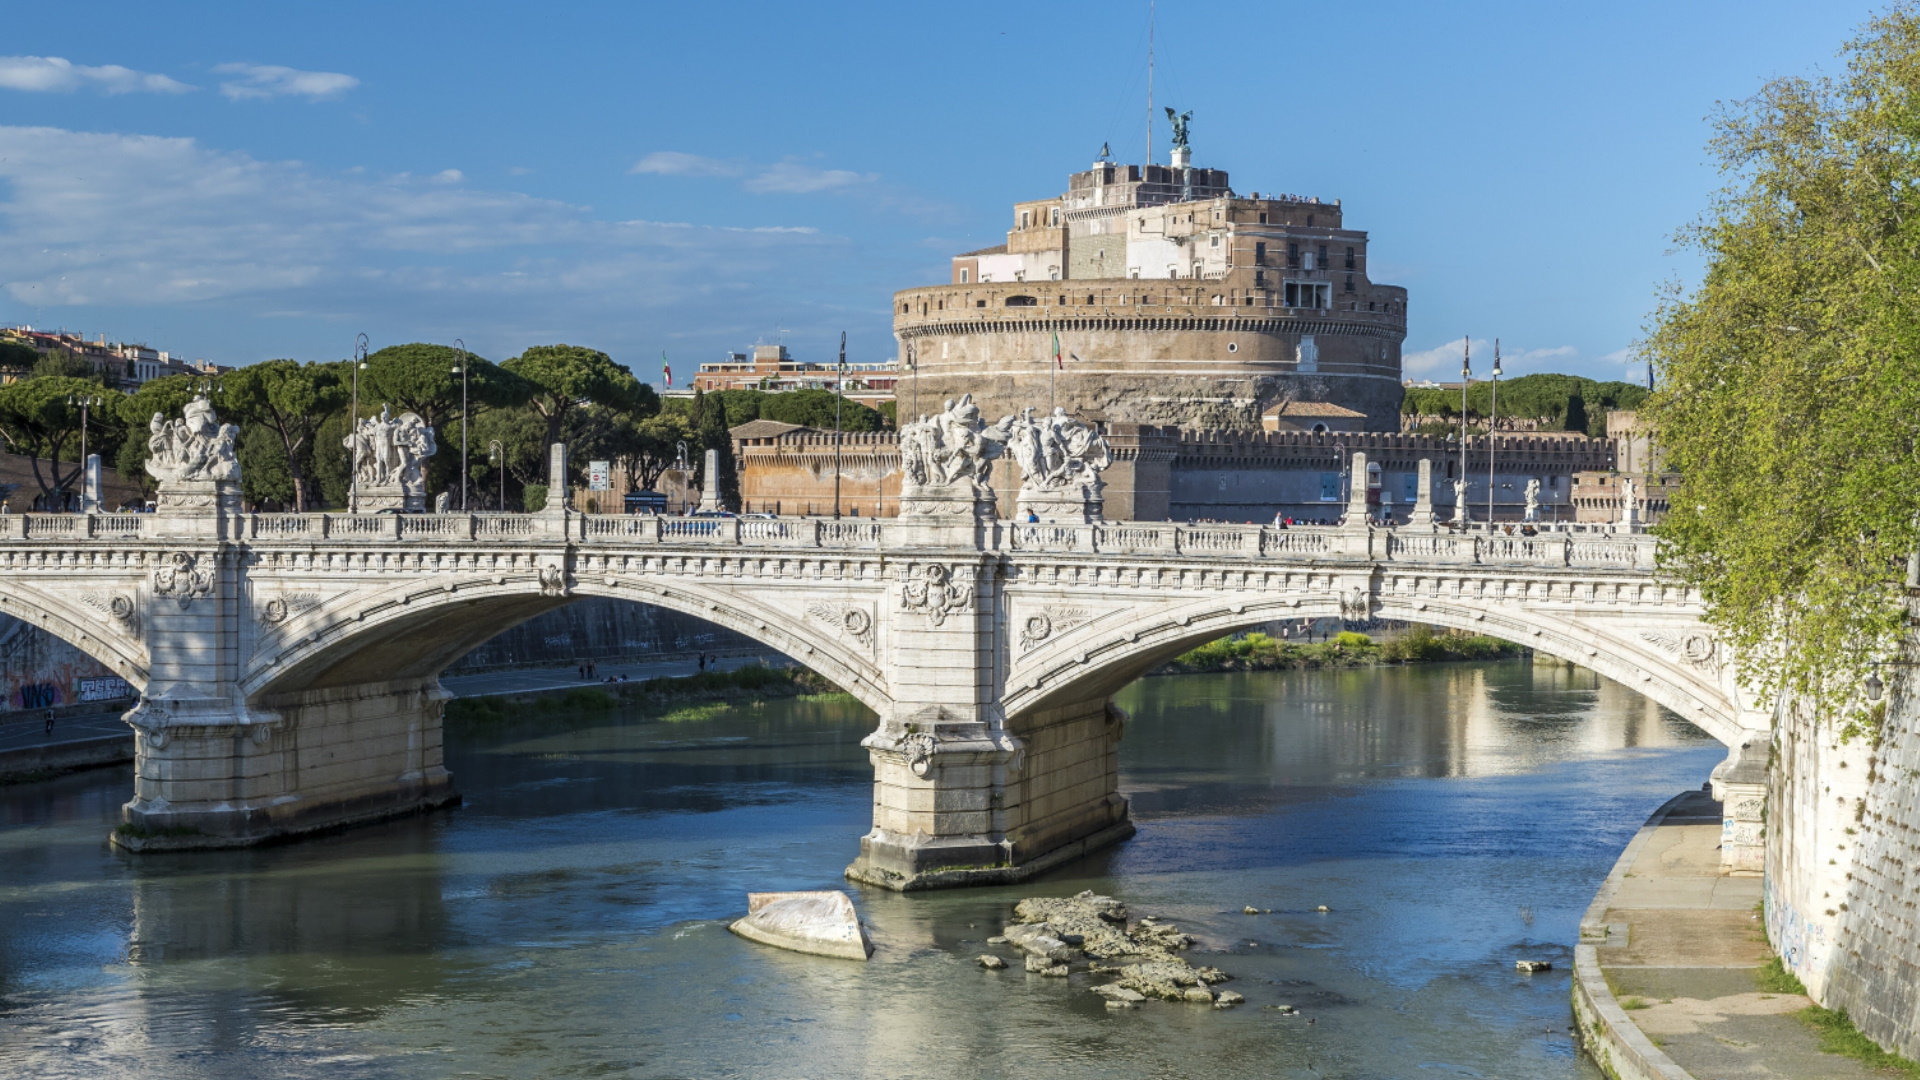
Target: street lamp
x=86, y=402
x=460, y=369
x=496, y=454
x=353, y=424
x=1493, y=422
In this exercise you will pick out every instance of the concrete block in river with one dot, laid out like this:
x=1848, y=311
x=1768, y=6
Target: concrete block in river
x=822, y=923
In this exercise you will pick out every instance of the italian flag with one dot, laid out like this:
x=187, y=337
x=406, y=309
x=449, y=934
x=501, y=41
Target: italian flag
x=665, y=371
x=1058, y=363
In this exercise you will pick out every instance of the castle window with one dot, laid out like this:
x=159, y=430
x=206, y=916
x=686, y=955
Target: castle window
x=1349, y=258
x=1055, y=215
x=1263, y=217
x=1259, y=279
x=1260, y=253
x=1309, y=221
x=1023, y=219
x=1233, y=346
x=979, y=303
x=1022, y=301
x=1293, y=255
x=964, y=274
x=1350, y=285
x=1369, y=305
x=1215, y=240
x=1323, y=255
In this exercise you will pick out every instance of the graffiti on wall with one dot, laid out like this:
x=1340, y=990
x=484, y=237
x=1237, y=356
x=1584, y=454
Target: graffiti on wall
x=39, y=695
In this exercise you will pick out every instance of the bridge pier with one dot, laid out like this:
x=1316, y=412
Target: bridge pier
x=959, y=804
x=211, y=774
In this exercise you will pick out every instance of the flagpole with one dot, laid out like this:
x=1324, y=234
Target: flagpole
x=839, y=395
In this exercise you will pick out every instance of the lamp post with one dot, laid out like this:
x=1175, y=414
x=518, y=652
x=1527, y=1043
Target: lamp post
x=1466, y=377
x=460, y=369
x=496, y=454
x=86, y=402
x=1493, y=422
x=353, y=424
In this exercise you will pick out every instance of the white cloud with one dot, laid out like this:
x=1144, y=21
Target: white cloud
x=788, y=176
x=260, y=81
x=794, y=178
x=51, y=74
x=1442, y=362
x=675, y=163
x=159, y=222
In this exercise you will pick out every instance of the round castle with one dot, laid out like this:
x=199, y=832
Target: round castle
x=1173, y=301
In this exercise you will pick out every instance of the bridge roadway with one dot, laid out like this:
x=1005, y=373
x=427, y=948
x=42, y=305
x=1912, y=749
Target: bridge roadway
x=289, y=664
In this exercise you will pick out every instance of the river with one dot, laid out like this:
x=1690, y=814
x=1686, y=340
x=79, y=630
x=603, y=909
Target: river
x=569, y=920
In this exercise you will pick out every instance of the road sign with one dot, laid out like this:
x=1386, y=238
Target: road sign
x=599, y=476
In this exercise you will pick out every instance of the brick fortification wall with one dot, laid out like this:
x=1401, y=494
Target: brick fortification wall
x=1161, y=473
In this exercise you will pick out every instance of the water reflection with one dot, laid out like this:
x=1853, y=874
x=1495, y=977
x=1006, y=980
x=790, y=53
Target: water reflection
x=569, y=920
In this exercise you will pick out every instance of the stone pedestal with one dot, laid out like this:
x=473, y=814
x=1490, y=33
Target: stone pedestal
x=216, y=774
x=1740, y=785
x=960, y=804
x=198, y=497
x=373, y=498
x=1422, y=516
x=1076, y=504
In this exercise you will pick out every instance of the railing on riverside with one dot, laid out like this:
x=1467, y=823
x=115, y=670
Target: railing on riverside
x=1559, y=545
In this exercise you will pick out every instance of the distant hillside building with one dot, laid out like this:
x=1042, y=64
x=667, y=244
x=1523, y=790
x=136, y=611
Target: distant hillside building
x=1173, y=301
x=772, y=369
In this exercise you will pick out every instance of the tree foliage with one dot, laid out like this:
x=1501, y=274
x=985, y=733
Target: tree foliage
x=1546, y=397
x=1790, y=397
x=17, y=359
x=711, y=422
x=564, y=377
x=811, y=408
x=37, y=422
x=289, y=399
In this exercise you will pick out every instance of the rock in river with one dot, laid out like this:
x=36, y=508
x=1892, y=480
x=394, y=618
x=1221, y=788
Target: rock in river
x=822, y=923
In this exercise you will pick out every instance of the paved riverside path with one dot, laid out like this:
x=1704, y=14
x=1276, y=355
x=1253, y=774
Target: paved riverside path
x=25, y=742
x=1686, y=940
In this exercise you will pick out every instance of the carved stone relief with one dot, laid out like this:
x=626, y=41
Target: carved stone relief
x=848, y=620
x=931, y=591
x=1696, y=648
x=182, y=578
x=1054, y=619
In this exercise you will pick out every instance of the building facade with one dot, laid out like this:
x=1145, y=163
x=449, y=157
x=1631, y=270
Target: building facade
x=1172, y=300
x=772, y=369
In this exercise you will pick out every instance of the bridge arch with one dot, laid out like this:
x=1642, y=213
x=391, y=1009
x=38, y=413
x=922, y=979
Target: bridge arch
x=413, y=631
x=106, y=624
x=1108, y=654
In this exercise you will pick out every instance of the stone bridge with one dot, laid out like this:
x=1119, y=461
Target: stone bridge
x=288, y=664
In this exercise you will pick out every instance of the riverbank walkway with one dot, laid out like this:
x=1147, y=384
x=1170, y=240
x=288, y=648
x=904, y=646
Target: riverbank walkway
x=28, y=750
x=1665, y=977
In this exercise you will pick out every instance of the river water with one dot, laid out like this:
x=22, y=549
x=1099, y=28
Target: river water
x=569, y=921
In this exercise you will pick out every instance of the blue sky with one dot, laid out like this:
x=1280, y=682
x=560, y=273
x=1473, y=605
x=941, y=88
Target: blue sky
x=245, y=181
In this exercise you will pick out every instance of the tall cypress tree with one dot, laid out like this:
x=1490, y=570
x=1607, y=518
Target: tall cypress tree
x=1576, y=413
x=710, y=423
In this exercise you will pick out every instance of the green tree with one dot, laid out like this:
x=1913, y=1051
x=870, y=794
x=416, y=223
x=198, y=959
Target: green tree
x=519, y=432
x=266, y=476
x=424, y=379
x=166, y=396
x=1576, y=419
x=564, y=377
x=290, y=399
x=1788, y=398
x=60, y=364
x=37, y=422
x=710, y=428
x=17, y=359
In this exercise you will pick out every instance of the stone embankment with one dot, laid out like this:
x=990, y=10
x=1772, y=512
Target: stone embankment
x=1088, y=932
x=1672, y=977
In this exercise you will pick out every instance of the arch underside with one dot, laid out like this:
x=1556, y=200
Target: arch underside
x=1111, y=652
x=415, y=630
x=113, y=642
